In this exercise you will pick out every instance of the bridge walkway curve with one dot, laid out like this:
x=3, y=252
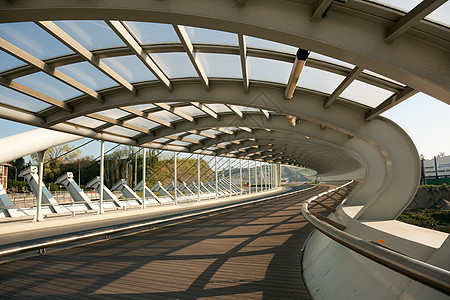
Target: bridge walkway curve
x=251, y=253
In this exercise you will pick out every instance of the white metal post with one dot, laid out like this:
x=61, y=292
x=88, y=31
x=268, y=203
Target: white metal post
x=175, y=177
x=198, y=177
x=102, y=175
x=229, y=173
x=240, y=174
x=249, y=178
x=256, y=177
x=38, y=217
x=215, y=163
x=135, y=169
x=144, y=169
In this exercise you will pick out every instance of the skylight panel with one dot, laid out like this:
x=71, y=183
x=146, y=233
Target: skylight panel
x=176, y=65
x=9, y=61
x=212, y=131
x=166, y=116
x=402, y=5
x=141, y=122
x=209, y=36
x=330, y=60
x=269, y=70
x=366, y=94
x=265, y=44
x=382, y=77
x=153, y=33
x=130, y=68
x=246, y=108
x=219, y=108
x=32, y=39
x=191, y=111
x=161, y=140
x=114, y=113
x=91, y=34
x=180, y=143
x=143, y=107
x=221, y=65
x=195, y=137
x=48, y=85
x=441, y=15
x=88, y=75
x=122, y=131
x=86, y=121
x=11, y=97
x=319, y=80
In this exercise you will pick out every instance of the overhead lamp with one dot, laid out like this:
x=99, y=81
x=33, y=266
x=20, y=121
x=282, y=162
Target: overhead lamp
x=300, y=60
x=292, y=120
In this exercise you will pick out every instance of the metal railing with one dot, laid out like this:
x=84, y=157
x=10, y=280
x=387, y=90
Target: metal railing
x=422, y=272
x=42, y=246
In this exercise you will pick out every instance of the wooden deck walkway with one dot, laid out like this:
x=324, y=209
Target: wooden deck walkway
x=250, y=253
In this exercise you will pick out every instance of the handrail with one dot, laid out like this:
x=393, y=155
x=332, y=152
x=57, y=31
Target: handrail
x=420, y=271
x=106, y=233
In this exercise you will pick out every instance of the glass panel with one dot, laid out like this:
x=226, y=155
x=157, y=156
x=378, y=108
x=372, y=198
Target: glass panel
x=151, y=33
x=9, y=61
x=48, y=85
x=88, y=122
x=402, y=5
x=161, y=140
x=319, y=80
x=180, y=143
x=191, y=110
x=195, y=137
x=141, y=122
x=165, y=115
x=265, y=44
x=33, y=39
x=245, y=108
x=114, y=113
x=130, y=68
x=122, y=131
x=175, y=64
x=88, y=75
x=364, y=93
x=143, y=107
x=11, y=97
x=212, y=131
x=382, y=77
x=441, y=14
x=209, y=36
x=218, y=108
x=221, y=65
x=268, y=69
x=91, y=34
x=330, y=60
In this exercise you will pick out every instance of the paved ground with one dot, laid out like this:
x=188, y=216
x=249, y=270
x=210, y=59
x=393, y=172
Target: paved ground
x=250, y=253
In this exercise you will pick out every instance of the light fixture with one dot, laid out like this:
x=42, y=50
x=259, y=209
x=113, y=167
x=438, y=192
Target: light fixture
x=300, y=60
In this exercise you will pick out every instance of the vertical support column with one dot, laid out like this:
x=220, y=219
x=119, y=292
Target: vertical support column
x=256, y=177
x=229, y=174
x=240, y=174
x=198, y=177
x=215, y=168
x=38, y=217
x=102, y=175
x=144, y=169
x=135, y=169
x=175, y=177
x=249, y=178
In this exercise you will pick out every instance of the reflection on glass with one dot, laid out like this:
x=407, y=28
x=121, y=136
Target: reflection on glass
x=32, y=39
x=11, y=97
x=86, y=121
x=9, y=61
x=91, y=34
x=48, y=85
x=88, y=75
x=130, y=68
x=175, y=64
x=319, y=80
x=268, y=69
x=209, y=36
x=364, y=93
x=221, y=65
x=265, y=44
x=151, y=33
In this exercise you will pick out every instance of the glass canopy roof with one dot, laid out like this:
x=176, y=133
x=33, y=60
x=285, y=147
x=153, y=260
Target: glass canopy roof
x=92, y=57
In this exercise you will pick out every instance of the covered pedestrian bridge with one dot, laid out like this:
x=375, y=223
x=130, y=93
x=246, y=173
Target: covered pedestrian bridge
x=257, y=84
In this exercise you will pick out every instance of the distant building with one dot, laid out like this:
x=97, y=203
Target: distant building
x=4, y=176
x=443, y=170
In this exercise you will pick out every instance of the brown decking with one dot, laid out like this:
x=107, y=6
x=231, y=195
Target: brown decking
x=244, y=254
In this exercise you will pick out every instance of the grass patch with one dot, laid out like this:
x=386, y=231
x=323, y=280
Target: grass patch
x=434, y=218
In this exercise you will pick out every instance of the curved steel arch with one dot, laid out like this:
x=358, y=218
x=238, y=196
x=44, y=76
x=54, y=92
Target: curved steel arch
x=290, y=24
